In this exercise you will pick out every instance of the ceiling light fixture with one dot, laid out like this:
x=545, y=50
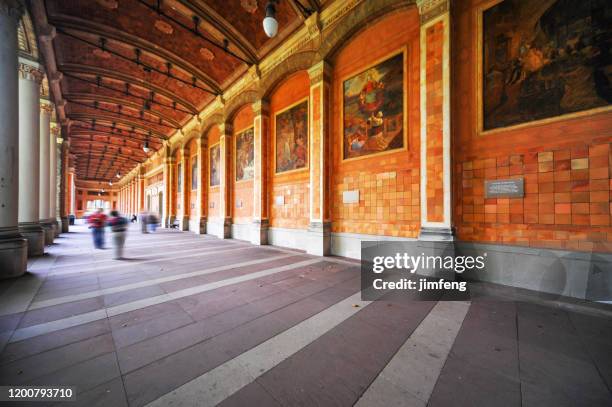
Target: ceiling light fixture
x=270, y=24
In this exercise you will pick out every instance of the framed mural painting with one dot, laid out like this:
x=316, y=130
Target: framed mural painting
x=244, y=147
x=373, y=109
x=215, y=165
x=194, y=174
x=291, y=138
x=540, y=61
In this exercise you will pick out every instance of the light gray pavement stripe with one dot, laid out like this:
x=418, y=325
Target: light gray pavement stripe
x=121, y=264
x=52, y=326
x=118, y=289
x=132, y=259
x=410, y=376
x=19, y=295
x=216, y=385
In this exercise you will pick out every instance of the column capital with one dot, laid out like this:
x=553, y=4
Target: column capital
x=320, y=72
x=260, y=107
x=12, y=8
x=29, y=70
x=430, y=9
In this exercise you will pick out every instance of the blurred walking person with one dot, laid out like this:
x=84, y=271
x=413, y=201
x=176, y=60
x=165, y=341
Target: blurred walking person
x=152, y=221
x=118, y=225
x=143, y=222
x=97, y=222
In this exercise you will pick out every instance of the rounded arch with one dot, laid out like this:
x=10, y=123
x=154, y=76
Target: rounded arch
x=301, y=61
x=359, y=19
x=233, y=106
x=213, y=120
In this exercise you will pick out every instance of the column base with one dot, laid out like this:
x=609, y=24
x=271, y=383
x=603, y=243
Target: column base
x=431, y=234
x=199, y=226
x=35, y=235
x=183, y=223
x=319, y=238
x=58, y=227
x=259, y=233
x=65, y=224
x=13, y=254
x=49, y=231
x=225, y=232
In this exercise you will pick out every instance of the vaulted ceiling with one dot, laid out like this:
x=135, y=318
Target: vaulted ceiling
x=135, y=71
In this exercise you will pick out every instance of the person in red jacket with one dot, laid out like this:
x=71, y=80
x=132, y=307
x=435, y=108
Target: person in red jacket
x=97, y=222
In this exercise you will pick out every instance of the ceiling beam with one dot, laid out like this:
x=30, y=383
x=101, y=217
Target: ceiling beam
x=89, y=27
x=125, y=78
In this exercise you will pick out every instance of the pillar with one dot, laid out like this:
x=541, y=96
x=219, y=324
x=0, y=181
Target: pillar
x=45, y=167
x=201, y=204
x=72, y=195
x=140, y=183
x=225, y=201
x=30, y=78
x=261, y=127
x=13, y=246
x=167, y=212
x=435, y=121
x=182, y=196
x=54, y=177
x=319, y=229
x=64, y=188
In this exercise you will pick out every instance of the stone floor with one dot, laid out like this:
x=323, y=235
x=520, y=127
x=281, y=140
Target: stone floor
x=193, y=320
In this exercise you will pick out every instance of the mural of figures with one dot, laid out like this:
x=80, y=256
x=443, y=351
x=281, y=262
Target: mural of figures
x=373, y=109
x=194, y=175
x=245, y=155
x=215, y=165
x=292, y=138
x=543, y=59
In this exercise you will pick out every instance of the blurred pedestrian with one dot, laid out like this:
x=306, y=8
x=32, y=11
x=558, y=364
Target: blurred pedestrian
x=118, y=225
x=134, y=219
x=152, y=221
x=143, y=222
x=97, y=222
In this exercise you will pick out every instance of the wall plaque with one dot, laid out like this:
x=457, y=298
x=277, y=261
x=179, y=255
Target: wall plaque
x=505, y=188
x=349, y=197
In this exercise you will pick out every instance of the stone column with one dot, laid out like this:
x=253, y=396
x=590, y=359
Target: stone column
x=261, y=126
x=13, y=246
x=182, y=196
x=319, y=159
x=45, y=181
x=436, y=203
x=167, y=212
x=72, y=195
x=225, y=201
x=30, y=77
x=64, y=189
x=140, y=194
x=201, y=197
x=53, y=177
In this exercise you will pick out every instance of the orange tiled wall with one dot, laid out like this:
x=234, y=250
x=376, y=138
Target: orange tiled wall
x=294, y=186
x=566, y=165
x=214, y=198
x=243, y=190
x=388, y=184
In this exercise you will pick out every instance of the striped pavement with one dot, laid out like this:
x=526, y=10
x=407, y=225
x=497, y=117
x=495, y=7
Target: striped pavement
x=190, y=320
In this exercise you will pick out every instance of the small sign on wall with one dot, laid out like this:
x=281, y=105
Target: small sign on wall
x=239, y=204
x=279, y=200
x=211, y=205
x=505, y=188
x=349, y=197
